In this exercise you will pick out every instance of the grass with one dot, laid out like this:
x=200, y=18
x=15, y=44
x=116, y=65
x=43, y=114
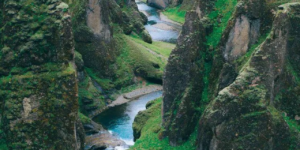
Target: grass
x=84, y=119
x=134, y=56
x=175, y=14
x=150, y=132
x=162, y=48
x=138, y=55
x=223, y=9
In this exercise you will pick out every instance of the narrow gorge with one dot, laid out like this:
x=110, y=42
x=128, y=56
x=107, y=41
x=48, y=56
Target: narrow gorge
x=150, y=75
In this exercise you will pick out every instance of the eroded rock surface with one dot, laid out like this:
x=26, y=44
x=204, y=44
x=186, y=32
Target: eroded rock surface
x=38, y=89
x=239, y=86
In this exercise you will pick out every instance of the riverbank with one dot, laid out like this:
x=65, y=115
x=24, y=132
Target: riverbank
x=127, y=97
x=166, y=18
x=117, y=117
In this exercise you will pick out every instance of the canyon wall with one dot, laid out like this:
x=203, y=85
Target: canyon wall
x=233, y=77
x=38, y=90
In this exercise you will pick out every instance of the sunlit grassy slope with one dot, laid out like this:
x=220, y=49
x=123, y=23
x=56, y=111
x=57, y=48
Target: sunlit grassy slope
x=149, y=138
x=175, y=14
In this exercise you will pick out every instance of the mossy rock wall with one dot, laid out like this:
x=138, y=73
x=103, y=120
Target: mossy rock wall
x=38, y=92
x=200, y=73
x=97, y=25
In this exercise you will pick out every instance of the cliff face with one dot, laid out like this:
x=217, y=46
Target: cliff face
x=243, y=115
x=94, y=35
x=38, y=79
x=99, y=29
x=233, y=75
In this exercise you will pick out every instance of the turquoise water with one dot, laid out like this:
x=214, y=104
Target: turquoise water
x=158, y=34
x=118, y=120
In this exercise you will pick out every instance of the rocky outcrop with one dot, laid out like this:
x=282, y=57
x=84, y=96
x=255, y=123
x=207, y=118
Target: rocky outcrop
x=233, y=77
x=38, y=89
x=94, y=38
x=103, y=140
x=160, y=4
x=143, y=117
x=99, y=27
x=243, y=114
x=184, y=68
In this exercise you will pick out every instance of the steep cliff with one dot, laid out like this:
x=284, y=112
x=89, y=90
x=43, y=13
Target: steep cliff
x=108, y=58
x=38, y=91
x=248, y=113
x=232, y=79
x=218, y=70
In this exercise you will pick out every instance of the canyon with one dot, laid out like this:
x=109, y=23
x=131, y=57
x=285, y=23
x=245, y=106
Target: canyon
x=150, y=74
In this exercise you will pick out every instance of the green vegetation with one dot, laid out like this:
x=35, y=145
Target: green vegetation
x=149, y=139
x=135, y=58
x=162, y=48
x=89, y=96
x=292, y=124
x=175, y=14
x=106, y=84
x=3, y=145
x=223, y=11
x=291, y=69
x=139, y=58
x=207, y=69
x=245, y=58
x=84, y=119
x=294, y=130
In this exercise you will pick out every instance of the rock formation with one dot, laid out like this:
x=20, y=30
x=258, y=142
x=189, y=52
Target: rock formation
x=232, y=76
x=38, y=89
x=99, y=27
x=244, y=114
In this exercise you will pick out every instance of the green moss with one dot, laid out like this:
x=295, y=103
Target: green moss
x=90, y=97
x=84, y=119
x=291, y=70
x=254, y=114
x=207, y=69
x=295, y=132
x=223, y=11
x=149, y=139
x=3, y=145
x=78, y=9
x=245, y=58
x=292, y=124
x=175, y=14
x=106, y=84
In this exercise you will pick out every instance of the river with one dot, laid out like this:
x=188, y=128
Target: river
x=160, y=30
x=118, y=120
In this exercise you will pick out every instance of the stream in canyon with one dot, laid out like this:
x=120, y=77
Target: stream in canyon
x=118, y=120
x=159, y=27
